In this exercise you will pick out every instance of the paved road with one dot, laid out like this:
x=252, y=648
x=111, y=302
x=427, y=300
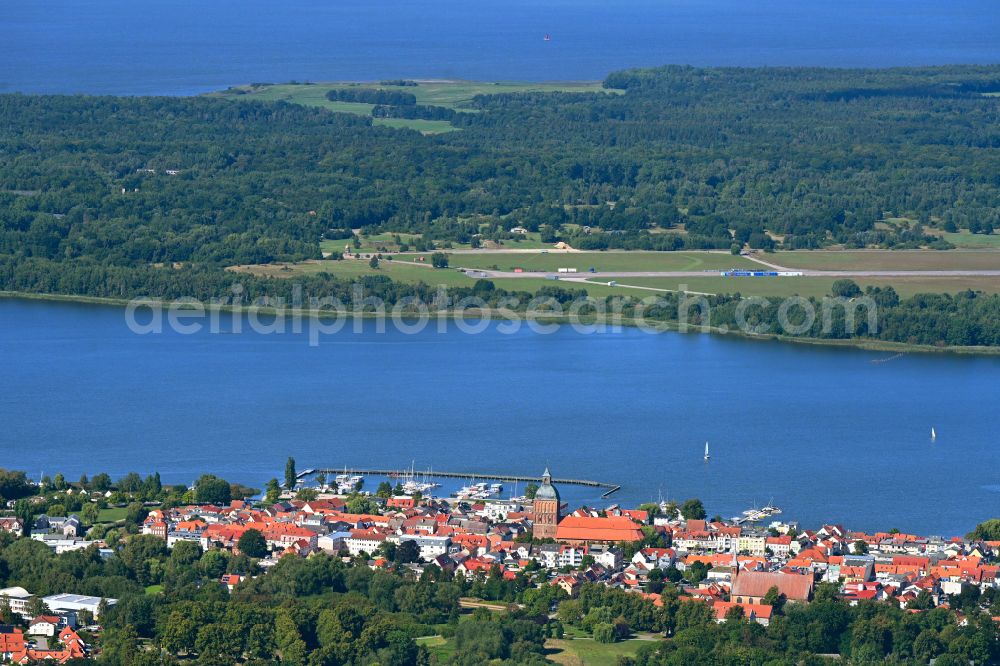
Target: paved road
x=715, y=273
x=607, y=275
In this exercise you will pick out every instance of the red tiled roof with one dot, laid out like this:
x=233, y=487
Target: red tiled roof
x=586, y=528
x=750, y=611
x=756, y=584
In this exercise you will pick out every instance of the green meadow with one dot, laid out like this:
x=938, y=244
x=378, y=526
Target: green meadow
x=812, y=286
x=967, y=240
x=604, y=261
x=456, y=95
x=112, y=515
x=411, y=272
x=902, y=260
x=588, y=652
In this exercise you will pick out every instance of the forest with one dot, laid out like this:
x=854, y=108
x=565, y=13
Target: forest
x=118, y=197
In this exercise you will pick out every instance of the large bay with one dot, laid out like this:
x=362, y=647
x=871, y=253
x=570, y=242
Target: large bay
x=827, y=433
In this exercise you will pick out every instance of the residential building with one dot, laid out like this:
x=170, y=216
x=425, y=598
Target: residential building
x=18, y=598
x=430, y=546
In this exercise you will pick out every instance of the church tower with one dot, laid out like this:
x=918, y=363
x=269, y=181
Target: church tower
x=546, y=509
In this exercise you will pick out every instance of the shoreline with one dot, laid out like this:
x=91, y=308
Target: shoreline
x=659, y=326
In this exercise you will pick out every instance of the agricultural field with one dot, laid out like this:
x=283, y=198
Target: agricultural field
x=844, y=260
x=450, y=94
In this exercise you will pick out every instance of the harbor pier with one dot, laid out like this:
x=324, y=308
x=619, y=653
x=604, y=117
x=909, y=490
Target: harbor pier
x=609, y=488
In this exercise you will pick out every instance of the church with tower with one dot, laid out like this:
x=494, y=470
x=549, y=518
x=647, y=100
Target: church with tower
x=578, y=528
x=546, y=509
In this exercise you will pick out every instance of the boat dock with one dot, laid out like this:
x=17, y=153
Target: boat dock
x=756, y=515
x=610, y=488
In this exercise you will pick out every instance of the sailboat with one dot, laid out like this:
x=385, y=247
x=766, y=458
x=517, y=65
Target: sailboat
x=547, y=37
x=933, y=433
x=706, y=452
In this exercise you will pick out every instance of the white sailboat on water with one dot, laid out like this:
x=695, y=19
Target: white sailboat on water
x=933, y=433
x=706, y=452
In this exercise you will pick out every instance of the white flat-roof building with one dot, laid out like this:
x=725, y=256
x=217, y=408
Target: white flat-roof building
x=76, y=602
x=430, y=546
x=18, y=598
x=333, y=542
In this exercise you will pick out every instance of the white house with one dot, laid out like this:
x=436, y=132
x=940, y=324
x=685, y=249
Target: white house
x=430, y=546
x=364, y=542
x=548, y=555
x=607, y=556
x=45, y=625
x=333, y=542
x=498, y=510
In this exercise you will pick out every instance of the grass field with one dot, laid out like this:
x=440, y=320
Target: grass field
x=836, y=260
x=373, y=243
x=403, y=268
x=965, y=239
x=154, y=589
x=404, y=271
x=588, y=652
x=112, y=515
x=370, y=243
x=451, y=94
x=604, y=261
x=577, y=652
x=812, y=286
x=440, y=648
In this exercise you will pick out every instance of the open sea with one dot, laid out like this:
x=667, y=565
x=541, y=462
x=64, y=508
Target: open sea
x=824, y=432
x=184, y=47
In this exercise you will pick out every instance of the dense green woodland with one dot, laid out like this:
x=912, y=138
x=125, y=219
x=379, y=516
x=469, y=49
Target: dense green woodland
x=685, y=158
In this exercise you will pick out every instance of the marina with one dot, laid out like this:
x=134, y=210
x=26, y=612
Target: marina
x=755, y=515
x=473, y=490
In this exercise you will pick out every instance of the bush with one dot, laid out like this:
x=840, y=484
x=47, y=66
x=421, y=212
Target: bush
x=846, y=289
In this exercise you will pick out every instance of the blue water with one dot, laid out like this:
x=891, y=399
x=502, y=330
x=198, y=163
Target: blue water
x=825, y=432
x=190, y=46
